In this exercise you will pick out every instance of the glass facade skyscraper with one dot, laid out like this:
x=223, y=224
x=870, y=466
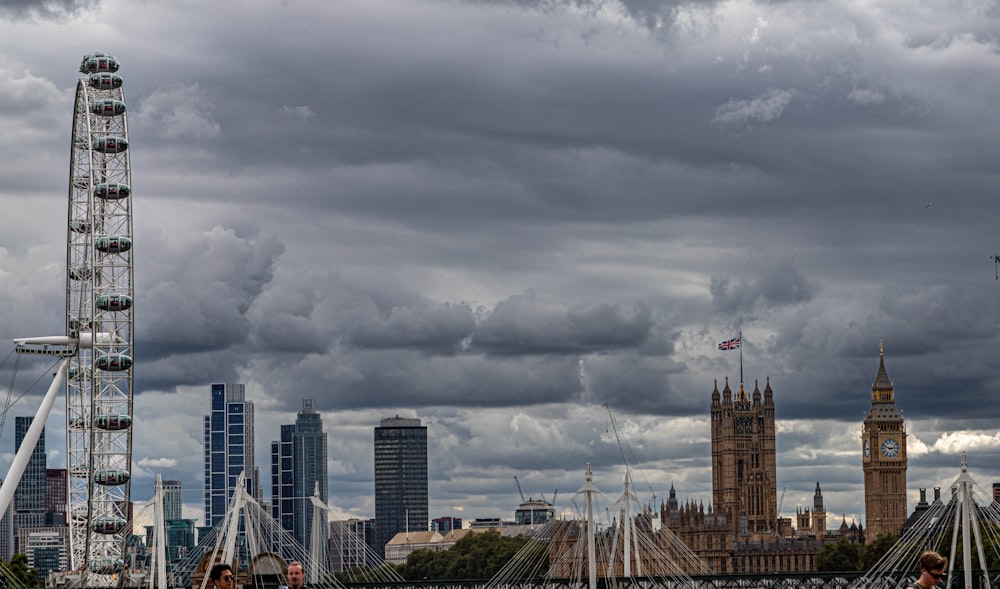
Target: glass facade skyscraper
x=298, y=464
x=400, y=478
x=228, y=450
x=31, y=494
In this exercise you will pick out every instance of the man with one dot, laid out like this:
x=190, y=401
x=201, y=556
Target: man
x=296, y=575
x=222, y=576
x=931, y=569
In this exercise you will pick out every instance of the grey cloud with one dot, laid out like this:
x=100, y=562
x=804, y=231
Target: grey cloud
x=440, y=327
x=45, y=9
x=524, y=324
x=458, y=234
x=197, y=291
x=779, y=284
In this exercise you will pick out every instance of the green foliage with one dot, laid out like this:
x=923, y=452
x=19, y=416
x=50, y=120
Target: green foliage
x=476, y=556
x=878, y=548
x=843, y=556
x=18, y=569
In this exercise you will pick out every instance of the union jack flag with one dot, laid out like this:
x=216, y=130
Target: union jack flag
x=730, y=344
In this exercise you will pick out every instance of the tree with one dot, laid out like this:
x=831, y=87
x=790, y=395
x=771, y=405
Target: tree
x=843, y=556
x=18, y=568
x=476, y=556
x=874, y=551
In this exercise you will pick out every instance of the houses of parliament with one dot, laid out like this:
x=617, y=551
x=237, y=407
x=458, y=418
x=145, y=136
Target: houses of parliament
x=741, y=531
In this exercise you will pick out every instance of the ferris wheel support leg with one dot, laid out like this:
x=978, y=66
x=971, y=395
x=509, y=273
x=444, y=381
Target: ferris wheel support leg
x=30, y=440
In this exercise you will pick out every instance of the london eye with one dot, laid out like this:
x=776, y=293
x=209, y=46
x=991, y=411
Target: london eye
x=97, y=348
x=99, y=300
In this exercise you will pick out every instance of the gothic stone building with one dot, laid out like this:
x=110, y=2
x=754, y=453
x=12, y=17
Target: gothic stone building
x=883, y=455
x=740, y=532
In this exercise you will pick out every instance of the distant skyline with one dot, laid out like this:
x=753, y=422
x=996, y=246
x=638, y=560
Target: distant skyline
x=498, y=215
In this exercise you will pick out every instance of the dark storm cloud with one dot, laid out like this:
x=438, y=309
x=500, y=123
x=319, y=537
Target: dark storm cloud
x=777, y=284
x=497, y=216
x=44, y=9
x=526, y=325
x=440, y=327
x=198, y=294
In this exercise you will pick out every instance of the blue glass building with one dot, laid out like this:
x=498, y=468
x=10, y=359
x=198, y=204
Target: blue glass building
x=228, y=450
x=298, y=464
x=31, y=494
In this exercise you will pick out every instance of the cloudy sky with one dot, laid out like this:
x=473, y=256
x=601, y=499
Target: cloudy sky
x=499, y=216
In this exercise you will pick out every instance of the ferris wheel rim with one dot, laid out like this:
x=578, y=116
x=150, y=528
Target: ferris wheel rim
x=99, y=311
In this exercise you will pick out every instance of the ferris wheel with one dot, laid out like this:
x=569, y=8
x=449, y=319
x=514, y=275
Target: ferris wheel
x=99, y=316
x=96, y=352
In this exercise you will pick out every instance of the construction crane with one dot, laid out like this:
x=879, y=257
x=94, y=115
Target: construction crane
x=519, y=488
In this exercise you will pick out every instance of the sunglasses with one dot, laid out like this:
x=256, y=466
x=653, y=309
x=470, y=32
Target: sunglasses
x=227, y=577
x=936, y=575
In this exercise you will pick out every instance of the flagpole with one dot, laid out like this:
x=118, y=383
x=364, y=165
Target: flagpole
x=741, y=358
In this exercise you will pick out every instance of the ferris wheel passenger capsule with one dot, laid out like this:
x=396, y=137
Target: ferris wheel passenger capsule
x=109, y=144
x=104, y=81
x=107, y=107
x=111, y=476
x=98, y=62
x=112, y=190
x=107, y=565
x=113, y=362
x=112, y=244
x=113, y=422
x=108, y=524
x=113, y=302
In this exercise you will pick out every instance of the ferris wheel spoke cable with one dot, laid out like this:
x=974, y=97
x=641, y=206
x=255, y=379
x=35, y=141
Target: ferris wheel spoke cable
x=9, y=403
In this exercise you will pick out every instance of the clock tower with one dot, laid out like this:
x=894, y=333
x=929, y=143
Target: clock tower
x=883, y=455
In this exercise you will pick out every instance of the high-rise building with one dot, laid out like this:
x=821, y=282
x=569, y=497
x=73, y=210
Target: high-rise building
x=310, y=469
x=283, y=481
x=55, y=496
x=228, y=450
x=400, y=478
x=47, y=548
x=348, y=547
x=172, y=501
x=7, y=532
x=883, y=456
x=298, y=464
x=31, y=495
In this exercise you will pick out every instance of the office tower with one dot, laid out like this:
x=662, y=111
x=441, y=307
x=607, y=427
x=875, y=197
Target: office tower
x=348, y=546
x=55, y=496
x=172, y=501
x=883, y=459
x=298, y=463
x=30, y=497
x=400, y=478
x=47, y=548
x=7, y=533
x=309, y=467
x=228, y=450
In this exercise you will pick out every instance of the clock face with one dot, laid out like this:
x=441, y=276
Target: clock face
x=890, y=448
x=868, y=449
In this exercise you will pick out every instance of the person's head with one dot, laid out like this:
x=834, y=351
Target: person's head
x=931, y=567
x=295, y=573
x=222, y=576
